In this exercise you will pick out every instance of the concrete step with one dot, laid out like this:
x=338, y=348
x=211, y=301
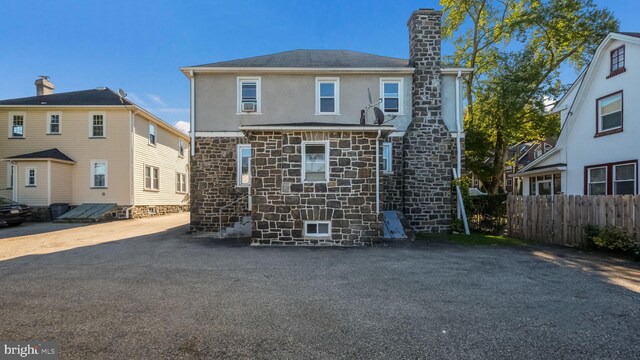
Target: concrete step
x=89, y=213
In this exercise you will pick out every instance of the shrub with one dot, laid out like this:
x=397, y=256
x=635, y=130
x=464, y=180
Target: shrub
x=488, y=213
x=610, y=238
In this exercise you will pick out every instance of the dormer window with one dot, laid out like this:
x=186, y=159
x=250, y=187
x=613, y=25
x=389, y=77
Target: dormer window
x=609, y=114
x=617, y=62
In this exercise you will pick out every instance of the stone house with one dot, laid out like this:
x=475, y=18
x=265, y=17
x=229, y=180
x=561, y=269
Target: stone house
x=289, y=141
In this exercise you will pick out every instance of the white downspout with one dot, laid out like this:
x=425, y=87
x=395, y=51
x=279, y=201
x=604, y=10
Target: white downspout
x=458, y=134
x=49, y=182
x=378, y=172
x=192, y=124
x=132, y=132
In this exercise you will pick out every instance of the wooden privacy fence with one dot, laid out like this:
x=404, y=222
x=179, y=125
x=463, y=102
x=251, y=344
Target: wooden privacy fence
x=560, y=219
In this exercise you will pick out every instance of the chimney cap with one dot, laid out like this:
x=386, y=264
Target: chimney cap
x=44, y=77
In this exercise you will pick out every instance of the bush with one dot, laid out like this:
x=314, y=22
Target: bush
x=488, y=213
x=610, y=238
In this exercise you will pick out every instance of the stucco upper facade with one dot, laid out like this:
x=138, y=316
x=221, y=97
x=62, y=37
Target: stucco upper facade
x=582, y=143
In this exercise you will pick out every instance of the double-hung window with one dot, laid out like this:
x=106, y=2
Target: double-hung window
x=617, y=60
x=249, y=98
x=99, y=173
x=97, y=125
x=180, y=148
x=315, y=161
x=597, y=180
x=243, y=170
x=53, y=123
x=151, y=178
x=152, y=134
x=391, y=95
x=30, y=177
x=387, y=157
x=16, y=125
x=181, y=183
x=619, y=178
x=327, y=96
x=624, y=179
x=609, y=113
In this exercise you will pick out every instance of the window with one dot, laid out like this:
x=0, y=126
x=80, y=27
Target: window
x=327, y=96
x=315, y=161
x=152, y=134
x=10, y=175
x=624, y=179
x=243, y=175
x=249, y=95
x=151, y=178
x=181, y=183
x=509, y=182
x=97, y=125
x=537, y=153
x=30, y=177
x=53, y=123
x=98, y=173
x=391, y=95
x=317, y=228
x=387, y=157
x=550, y=184
x=617, y=61
x=180, y=148
x=609, y=111
x=16, y=128
x=597, y=180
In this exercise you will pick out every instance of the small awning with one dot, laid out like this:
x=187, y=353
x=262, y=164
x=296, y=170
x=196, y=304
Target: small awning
x=45, y=155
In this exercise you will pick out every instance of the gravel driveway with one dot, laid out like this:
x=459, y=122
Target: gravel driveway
x=168, y=295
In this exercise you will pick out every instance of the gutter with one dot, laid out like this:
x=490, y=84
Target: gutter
x=378, y=172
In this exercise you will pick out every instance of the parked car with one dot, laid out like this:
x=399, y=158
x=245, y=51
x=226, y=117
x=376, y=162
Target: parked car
x=13, y=213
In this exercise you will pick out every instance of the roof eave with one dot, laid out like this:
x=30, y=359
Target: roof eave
x=327, y=128
x=540, y=171
x=292, y=70
x=71, y=162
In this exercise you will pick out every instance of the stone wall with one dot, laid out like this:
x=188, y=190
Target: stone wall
x=427, y=144
x=281, y=202
x=144, y=211
x=393, y=182
x=213, y=184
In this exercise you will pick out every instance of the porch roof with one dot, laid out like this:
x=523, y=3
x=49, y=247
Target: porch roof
x=50, y=154
x=542, y=170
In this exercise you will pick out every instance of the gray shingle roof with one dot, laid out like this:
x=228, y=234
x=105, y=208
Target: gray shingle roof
x=315, y=58
x=45, y=154
x=99, y=96
x=634, y=34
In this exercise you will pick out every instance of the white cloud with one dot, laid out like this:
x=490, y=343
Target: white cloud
x=133, y=97
x=157, y=100
x=182, y=126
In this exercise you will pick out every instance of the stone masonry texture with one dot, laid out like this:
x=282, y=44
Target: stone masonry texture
x=281, y=201
x=213, y=184
x=427, y=143
x=393, y=183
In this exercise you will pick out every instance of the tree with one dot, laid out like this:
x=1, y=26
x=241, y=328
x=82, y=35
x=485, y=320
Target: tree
x=507, y=96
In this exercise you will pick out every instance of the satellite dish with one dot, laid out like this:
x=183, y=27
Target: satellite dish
x=122, y=93
x=379, y=115
x=369, y=92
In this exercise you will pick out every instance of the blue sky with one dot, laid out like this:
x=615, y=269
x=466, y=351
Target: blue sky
x=139, y=45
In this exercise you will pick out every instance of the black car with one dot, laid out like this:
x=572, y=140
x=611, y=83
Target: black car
x=13, y=213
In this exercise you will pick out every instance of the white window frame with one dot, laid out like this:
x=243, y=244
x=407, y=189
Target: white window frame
x=180, y=148
x=24, y=124
x=181, y=183
x=239, y=149
x=400, y=82
x=388, y=162
x=635, y=177
x=326, y=159
x=144, y=177
x=336, y=94
x=248, y=79
x=92, y=172
x=49, y=115
x=27, y=176
x=104, y=124
x=600, y=115
x=152, y=129
x=589, y=182
x=317, y=235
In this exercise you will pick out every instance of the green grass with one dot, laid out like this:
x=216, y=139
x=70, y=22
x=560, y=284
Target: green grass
x=473, y=239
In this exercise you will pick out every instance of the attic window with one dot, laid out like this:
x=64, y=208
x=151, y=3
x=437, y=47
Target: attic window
x=617, y=62
x=609, y=114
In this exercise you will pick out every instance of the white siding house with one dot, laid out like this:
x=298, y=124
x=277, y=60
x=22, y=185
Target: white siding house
x=598, y=149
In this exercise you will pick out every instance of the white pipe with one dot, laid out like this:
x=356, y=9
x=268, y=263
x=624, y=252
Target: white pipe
x=461, y=205
x=458, y=132
x=192, y=124
x=378, y=172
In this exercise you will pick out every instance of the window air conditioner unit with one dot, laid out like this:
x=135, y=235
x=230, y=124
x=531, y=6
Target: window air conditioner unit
x=248, y=107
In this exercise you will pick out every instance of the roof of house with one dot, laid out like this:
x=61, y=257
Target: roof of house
x=303, y=58
x=99, y=96
x=634, y=34
x=45, y=154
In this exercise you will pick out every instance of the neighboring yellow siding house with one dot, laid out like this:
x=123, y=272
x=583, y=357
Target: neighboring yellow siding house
x=91, y=147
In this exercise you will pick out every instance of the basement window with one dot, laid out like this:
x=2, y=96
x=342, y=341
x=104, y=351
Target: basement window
x=317, y=228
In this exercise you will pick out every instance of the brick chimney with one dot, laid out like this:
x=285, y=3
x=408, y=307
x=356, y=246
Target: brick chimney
x=427, y=143
x=44, y=86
